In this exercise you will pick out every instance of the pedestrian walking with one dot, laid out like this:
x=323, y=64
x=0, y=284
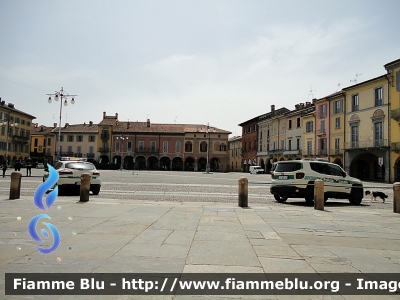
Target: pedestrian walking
x=17, y=165
x=28, y=167
x=4, y=167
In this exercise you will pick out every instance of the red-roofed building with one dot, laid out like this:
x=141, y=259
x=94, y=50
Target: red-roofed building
x=153, y=146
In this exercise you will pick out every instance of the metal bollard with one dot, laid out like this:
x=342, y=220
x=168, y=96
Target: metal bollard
x=319, y=195
x=15, y=185
x=243, y=191
x=396, y=197
x=85, y=187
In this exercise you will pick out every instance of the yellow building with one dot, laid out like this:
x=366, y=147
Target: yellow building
x=367, y=138
x=16, y=144
x=43, y=143
x=308, y=135
x=393, y=92
x=104, y=139
x=337, y=127
x=235, y=154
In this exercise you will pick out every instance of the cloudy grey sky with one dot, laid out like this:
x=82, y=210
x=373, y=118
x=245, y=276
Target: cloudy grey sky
x=221, y=62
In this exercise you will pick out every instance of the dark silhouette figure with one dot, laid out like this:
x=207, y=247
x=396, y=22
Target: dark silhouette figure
x=28, y=167
x=4, y=167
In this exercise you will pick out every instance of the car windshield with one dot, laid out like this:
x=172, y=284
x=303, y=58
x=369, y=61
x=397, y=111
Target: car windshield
x=288, y=167
x=79, y=165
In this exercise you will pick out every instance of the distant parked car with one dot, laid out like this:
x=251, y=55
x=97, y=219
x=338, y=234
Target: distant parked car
x=40, y=166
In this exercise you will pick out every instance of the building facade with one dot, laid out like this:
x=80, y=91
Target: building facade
x=235, y=154
x=78, y=140
x=15, y=133
x=249, y=143
x=43, y=142
x=393, y=94
x=176, y=147
x=336, y=127
x=367, y=137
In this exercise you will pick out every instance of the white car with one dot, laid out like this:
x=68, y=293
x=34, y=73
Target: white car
x=256, y=170
x=40, y=166
x=70, y=171
x=295, y=179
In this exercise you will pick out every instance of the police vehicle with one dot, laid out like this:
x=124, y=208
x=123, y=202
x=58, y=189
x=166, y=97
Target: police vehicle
x=295, y=179
x=70, y=170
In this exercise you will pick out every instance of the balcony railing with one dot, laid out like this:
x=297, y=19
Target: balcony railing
x=322, y=152
x=367, y=144
x=21, y=139
x=321, y=132
x=146, y=150
x=292, y=152
x=335, y=151
x=104, y=150
x=309, y=153
x=395, y=114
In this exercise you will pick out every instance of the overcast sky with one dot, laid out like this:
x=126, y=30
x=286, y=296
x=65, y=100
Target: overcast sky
x=221, y=62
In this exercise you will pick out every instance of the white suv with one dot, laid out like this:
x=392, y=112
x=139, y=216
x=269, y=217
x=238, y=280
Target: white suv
x=295, y=179
x=70, y=171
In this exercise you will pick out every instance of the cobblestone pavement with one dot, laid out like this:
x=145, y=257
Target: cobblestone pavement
x=188, y=187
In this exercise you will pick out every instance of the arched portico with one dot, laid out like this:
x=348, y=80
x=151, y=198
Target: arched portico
x=152, y=163
x=202, y=164
x=128, y=162
x=140, y=163
x=177, y=164
x=165, y=163
x=214, y=165
x=189, y=164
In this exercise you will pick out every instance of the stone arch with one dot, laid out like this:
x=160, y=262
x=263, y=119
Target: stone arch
x=202, y=162
x=165, y=163
x=188, y=164
x=177, y=164
x=378, y=113
x=152, y=163
x=128, y=162
x=222, y=147
x=214, y=165
x=140, y=162
x=104, y=159
x=203, y=146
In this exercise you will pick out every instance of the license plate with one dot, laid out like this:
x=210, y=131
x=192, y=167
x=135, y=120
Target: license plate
x=283, y=177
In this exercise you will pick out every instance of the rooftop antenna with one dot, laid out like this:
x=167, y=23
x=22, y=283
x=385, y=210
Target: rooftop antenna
x=338, y=87
x=310, y=93
x=355, y=79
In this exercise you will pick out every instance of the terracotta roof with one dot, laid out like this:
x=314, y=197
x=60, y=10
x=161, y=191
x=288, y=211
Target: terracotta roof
x=77, y=128
x=109, y=120
x=141, y=127
x=41, y=130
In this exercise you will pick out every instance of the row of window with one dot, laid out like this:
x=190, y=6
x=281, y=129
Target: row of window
x=188, y=146
x=5, y=117
x=14, y=147
x=79, y=138
x=78, y=149
x=12, y=131
x=46, y=142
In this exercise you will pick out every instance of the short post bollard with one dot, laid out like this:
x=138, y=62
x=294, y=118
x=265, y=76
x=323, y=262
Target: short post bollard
x=85, y=187
x=15, y=185
x=243, y=191
x=319, y=194
x=396, y=197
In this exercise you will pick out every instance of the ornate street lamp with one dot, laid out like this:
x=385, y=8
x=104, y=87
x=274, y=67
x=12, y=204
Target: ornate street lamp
x=63, y=96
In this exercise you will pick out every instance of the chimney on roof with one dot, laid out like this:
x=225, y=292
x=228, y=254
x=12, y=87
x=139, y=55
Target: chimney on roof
x=297, y=106
x=90, y=123
x=128, y=124
x=54, y=125
x=116, y=115
x=308, y=104
x=41, y=128
x=10, y=105
x=301, y=105
x=104, y=114
x=3, y=102
x=84, y=123
x=148, y=122
x=36, y=125
x=272, y=109
x=314, y=101
x=66, y=125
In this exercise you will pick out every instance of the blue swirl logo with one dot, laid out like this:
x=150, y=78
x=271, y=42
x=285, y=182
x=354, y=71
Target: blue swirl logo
x=38, y=201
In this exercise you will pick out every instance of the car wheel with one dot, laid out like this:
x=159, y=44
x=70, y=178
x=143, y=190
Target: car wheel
x=280, y=199
x=96, y=190
x=310, y=193
x=356, y=195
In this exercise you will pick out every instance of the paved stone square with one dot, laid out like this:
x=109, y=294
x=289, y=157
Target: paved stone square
x=190, y=222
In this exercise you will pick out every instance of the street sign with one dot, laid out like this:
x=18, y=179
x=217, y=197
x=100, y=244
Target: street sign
x=380, y=161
